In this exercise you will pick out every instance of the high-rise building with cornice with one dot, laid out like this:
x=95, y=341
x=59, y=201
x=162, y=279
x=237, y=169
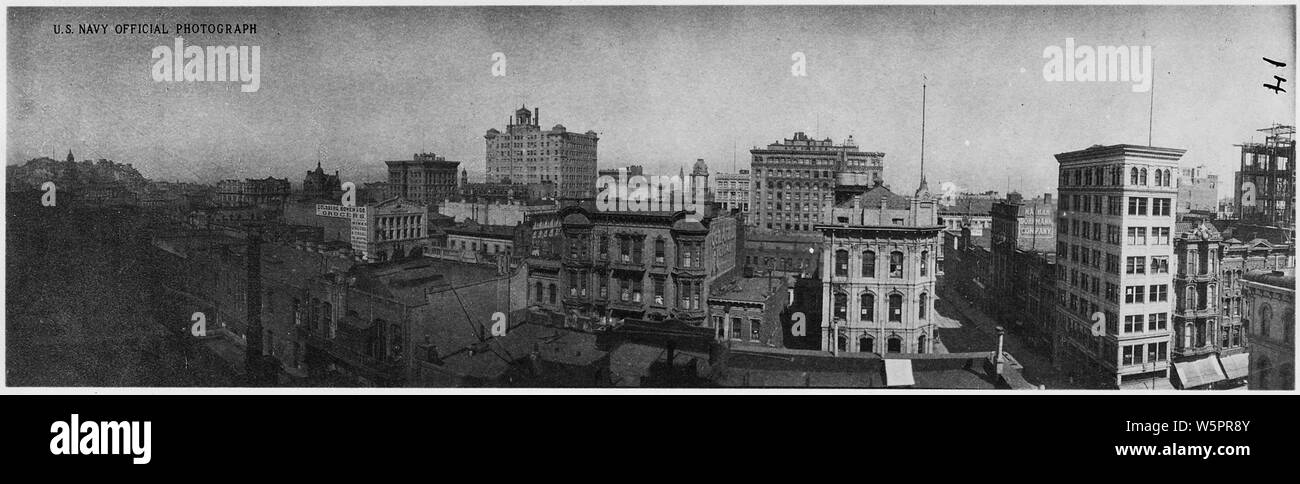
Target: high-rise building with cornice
x=524, y=153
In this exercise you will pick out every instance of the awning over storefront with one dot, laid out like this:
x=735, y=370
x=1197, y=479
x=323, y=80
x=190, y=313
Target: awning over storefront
x=1236, y=366
x=1200, y=372
x=898, y=373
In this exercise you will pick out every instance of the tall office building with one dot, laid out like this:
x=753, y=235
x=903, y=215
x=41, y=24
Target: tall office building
x=1115, y=219
x=524, y=153
x=794, y=180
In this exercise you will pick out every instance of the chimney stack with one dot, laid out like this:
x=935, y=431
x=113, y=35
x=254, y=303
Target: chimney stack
x=537, y=116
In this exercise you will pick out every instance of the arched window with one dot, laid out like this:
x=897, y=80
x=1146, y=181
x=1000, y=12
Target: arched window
x=1142, y=177
x=842, y=263
x=896, y=265
x=551, y=293
x=925, y=263
x=1116, y=174
x=868, y=264
x=537, y=291
x=895, y=307
x=895, y=344
x=1133, y=176
x=841, y=305
x=297, y=312
x=920, y=344
x=921, y=305
x=866, y=344
x=868, y=309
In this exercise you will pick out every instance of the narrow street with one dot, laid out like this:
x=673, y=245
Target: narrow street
x=978, y=333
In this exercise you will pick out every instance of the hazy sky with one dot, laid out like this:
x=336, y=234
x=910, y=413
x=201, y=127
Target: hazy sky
x=662, y=85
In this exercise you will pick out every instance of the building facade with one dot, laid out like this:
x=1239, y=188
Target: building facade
x=732, y=190
x=524, y=153
x=794, y=180
x=747, y=311
x=879, y=272
x=1115, y=221
x=266, y=192
x=644, y=265
x=1023, y=234
x=424, y=179
x=1270, y=319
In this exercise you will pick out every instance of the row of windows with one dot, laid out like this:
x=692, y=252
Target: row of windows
x=1113, y=176
x=867, y=344
x=738, y=328
x=1155, y=352
x=1154, y=322
x=867, y=306
x=868, y=268
x=1114, y=205
x=1138, y=265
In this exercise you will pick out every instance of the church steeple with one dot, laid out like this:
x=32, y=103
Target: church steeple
x=70, y=157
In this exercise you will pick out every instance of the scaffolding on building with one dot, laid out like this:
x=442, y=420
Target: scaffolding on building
x=1265, y=184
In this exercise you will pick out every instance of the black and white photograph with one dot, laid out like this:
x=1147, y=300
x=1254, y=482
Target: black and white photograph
x=874, y=198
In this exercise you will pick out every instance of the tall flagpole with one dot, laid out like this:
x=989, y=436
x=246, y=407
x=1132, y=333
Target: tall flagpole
x=1151, y=109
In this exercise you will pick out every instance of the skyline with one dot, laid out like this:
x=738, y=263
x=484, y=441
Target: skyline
x=662, y=86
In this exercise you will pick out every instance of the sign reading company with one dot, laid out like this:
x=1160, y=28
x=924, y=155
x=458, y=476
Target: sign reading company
x=360, y=223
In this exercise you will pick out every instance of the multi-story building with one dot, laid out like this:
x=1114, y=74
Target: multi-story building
x=1270, y=319
x=1198, y=190
x=1115, y=222
x=268, y=192
x=644, y=265
x=732, y=191
x=878, y=273
x=425, y=179
x=524, y=153
x=794, y=180
x=1265, y=185
x=1023, y=236
x=1201, y=360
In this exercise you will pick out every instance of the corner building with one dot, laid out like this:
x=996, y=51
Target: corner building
x=878, y=273
x=1115, y=220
